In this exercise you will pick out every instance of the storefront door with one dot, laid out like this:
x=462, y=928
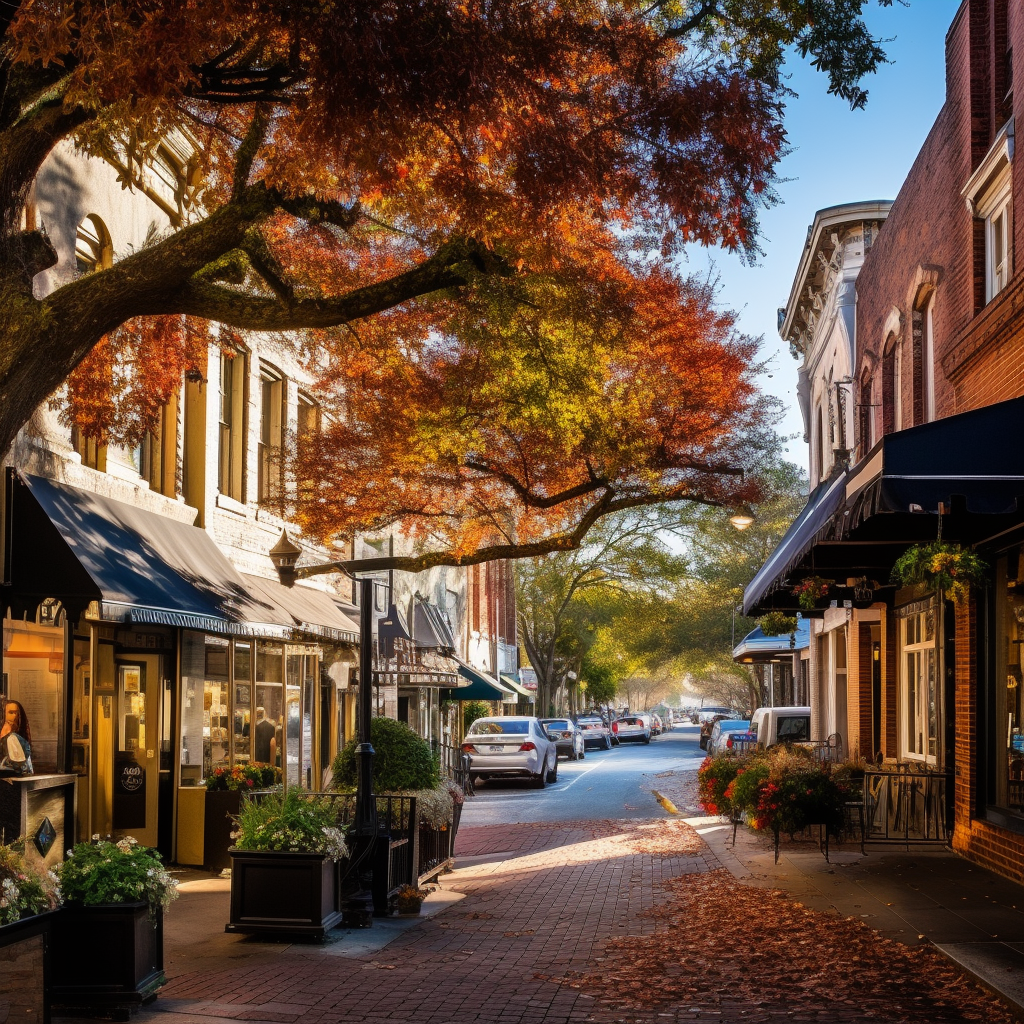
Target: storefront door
x=136, y=747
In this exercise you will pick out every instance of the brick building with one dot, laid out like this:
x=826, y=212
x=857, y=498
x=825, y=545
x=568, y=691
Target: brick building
x=937, y=386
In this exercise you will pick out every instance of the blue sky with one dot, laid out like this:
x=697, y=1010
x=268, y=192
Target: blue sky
x=838, y=156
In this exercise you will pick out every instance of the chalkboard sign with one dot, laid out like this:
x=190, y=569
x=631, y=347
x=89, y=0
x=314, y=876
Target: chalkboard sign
x=129, y=792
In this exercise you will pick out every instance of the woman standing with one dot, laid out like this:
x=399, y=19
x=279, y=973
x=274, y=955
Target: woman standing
x=15, y=741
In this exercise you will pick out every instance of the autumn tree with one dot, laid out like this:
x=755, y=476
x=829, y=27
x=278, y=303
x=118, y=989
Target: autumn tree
x=691, y=631
x=564, y=597
x=463, y=213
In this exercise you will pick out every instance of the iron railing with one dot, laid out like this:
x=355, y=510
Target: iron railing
x=455, y=766
x=907, y=804
x=436, y=847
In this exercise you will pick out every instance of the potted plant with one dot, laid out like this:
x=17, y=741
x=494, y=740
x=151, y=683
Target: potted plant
x=108, y=939
x=778, y=624
x=225, y=788
x=947, y=568
x=284, y=866
x=410, y=899
x=27, y=897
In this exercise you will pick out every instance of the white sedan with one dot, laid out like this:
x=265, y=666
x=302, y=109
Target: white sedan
x=514, y=747
x=633, y=727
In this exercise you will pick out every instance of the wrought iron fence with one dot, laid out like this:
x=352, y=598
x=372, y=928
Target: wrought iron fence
x=455, y=766
x=436, y=847
x=907, y=805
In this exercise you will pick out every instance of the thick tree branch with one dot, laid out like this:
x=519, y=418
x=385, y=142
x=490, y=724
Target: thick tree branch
x=447, y=268
x=528, y=497
x=568, y=540
x=706, y=10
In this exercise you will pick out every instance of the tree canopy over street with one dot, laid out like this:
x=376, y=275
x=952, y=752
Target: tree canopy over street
x=467, y=212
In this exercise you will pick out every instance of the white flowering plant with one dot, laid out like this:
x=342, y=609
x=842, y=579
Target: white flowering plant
x=103, y=871
x=24, y=891
x=290, y=823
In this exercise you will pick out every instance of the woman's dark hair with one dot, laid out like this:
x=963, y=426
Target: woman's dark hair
x=23, y=726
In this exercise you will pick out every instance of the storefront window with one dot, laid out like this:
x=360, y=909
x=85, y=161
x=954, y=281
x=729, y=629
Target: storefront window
x=1008, y=774
x=34, y=676
x=919, y=681
x=269, y=704
x=248, y=702
x=242, y=716
x=216, y=735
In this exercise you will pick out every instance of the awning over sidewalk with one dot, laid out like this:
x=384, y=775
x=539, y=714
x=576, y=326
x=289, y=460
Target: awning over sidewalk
x=138, y=566
x=857, y=524
x=517, y=687
x=756, y=646
x=141, y=567
x=481, y=686
x=302, y=608
x=821, y=506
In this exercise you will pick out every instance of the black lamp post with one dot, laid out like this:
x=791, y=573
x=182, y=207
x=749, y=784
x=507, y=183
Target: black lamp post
x=359, y=912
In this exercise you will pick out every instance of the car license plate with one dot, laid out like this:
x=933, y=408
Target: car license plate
x=496, y=750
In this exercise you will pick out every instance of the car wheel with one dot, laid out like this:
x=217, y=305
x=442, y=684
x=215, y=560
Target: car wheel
x=647, y=739
x=607, y=743
x=572, y=754
x=553, y=774
x=583, y=753
x=538, y=779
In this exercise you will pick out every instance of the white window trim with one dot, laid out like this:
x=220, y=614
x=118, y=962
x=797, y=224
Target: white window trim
x=928, y=355
x=907, y=750
x=988, y=195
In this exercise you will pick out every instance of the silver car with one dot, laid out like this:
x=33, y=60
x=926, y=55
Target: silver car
x=633, y=727
x=723, y=731
x=511, y=748
x=567, y=738
x=594, y=731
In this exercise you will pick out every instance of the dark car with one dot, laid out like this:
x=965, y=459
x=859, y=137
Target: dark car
x=567, y=738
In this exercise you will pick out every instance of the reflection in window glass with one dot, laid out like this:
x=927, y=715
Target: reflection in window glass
x=268, y=736
x=1008, y=755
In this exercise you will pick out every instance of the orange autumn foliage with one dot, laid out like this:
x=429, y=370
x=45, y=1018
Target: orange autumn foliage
x=462, y=214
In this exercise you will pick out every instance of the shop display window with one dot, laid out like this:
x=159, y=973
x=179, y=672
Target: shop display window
x=1007, y=755
x=245, y=701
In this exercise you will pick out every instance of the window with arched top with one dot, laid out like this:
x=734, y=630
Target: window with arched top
x=924, y=356
x=93, y=248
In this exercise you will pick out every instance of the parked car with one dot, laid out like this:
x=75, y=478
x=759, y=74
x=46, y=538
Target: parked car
x=568, y=739
x=772, y=726
x=707, y=723
x=636, y=728
x=594, y=731
x=723, y=731
x=657, y=726
x=513, y=747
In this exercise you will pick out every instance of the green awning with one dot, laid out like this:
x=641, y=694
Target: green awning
x=517, y=687
x=481, y=687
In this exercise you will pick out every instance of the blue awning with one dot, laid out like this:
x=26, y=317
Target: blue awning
x=143, y=568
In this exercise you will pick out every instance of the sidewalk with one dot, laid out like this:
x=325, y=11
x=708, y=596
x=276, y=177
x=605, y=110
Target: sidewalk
x=582, y=923
x=972, y=916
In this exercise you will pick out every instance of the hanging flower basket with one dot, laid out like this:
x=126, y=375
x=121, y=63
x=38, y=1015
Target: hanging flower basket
x=810, y=591
x=948, y=568
x=777, y=624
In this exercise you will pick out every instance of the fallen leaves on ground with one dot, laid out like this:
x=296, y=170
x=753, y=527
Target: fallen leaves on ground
x=725, y=943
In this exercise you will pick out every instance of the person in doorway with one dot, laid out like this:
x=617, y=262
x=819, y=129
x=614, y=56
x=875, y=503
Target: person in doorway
x=15, y=741
x=266, y=738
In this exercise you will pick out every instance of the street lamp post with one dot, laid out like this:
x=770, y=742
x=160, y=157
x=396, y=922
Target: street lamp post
x=359, y=908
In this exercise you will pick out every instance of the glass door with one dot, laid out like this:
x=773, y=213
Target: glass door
x=136, y=776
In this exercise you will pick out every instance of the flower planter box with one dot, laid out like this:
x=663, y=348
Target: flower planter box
x=282, y=893
x=108, y=957
x=217, y=826
x=25, y=970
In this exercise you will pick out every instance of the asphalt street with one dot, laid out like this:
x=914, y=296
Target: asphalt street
x=616, y=783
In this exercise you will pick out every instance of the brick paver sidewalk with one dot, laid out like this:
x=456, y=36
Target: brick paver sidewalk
x=542, y=912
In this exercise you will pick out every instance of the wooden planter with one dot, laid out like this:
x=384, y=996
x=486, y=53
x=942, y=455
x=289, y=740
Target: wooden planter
x=217, y=826
x=107, y=957
x=281, y=893
x=25, y=975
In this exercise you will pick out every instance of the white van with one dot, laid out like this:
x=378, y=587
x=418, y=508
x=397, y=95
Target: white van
x=772, y=726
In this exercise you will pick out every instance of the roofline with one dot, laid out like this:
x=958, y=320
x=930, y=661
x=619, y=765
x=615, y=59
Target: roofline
x=829, y=217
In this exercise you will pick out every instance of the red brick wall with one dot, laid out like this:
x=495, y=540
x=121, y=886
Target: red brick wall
x=995, y=848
